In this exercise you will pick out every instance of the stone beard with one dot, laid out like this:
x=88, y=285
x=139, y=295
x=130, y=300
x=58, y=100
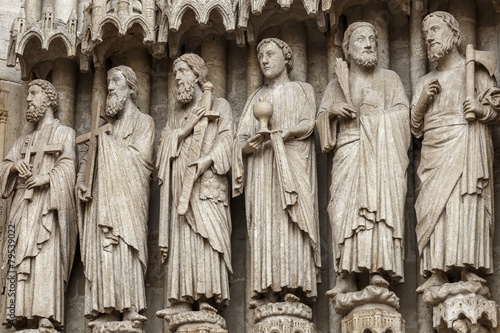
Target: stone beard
x=114, y=104
x=34, y=113
x=437, y=50
x=185, y=91
x=368, y=59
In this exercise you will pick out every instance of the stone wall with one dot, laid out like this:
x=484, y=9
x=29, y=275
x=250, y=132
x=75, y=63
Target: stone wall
x=315, y=37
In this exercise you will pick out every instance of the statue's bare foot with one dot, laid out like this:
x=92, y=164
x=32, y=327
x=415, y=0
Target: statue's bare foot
x=472, y=277
x=378, y=280
x=436, y=279
x=45, y=326
x=132, y=315
x=104, y=318
x=345, y=284
x=292, y=298
x=204, y=306
x=174, y=308
x=254, y=304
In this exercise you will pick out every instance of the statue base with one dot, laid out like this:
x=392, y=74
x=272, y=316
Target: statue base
x=372, y=309
x=462, y=307
x=283, y=317
x=375, y=318
x=203, y=321
x=117, y=327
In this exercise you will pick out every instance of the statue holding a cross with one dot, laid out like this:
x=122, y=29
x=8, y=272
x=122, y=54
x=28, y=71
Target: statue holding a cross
x=38, y=174
x=113, y=188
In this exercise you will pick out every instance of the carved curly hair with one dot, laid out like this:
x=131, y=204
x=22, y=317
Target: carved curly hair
x=197, y=65
x=51, y=92
x=287, y=51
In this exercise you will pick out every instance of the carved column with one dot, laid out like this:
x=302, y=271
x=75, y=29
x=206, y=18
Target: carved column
x=418, y=56
x=254, y=74
x=295, y=35
x=214, y=52
x=465, y=13
x=334, y=50
x=64, y=76
x=33, y=10
x=99, y=88
x=379, y=16
x=63, y=9
x=139, y=60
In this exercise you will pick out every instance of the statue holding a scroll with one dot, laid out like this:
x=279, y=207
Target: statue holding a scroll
x=277, y=171
x=194, y=156
x=38, y=174
x=114, y=207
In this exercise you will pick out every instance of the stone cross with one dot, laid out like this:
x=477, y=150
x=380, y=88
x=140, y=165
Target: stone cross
x=38, y=149
x=91, y=138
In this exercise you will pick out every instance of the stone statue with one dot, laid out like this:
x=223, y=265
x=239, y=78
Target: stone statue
x=364, y=120
x=277, y=171
x=39, y=173
x=455, y=204
x=114, y=217
x=194, y=155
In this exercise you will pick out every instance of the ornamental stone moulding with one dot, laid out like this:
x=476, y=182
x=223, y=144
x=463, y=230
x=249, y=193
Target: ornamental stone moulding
x=47, y=30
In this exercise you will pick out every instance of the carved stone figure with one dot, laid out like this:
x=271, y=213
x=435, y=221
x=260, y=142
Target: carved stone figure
x=39, y=174
x=277, y=171
x=114, y=217
x=455, y=204
x=194, y=155
x=364, y=120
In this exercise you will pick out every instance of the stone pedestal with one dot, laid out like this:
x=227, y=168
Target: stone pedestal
x=462, y=307
x=194, y=322
x=118, y=327
x=372, y=309
x=283, y=317
x=375, y=318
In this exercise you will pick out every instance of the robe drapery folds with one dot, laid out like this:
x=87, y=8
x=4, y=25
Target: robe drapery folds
x=281, y=190
x=44, y=228
x=198, y=243
x=368, y=177
x=455, y=202
x=114, y=242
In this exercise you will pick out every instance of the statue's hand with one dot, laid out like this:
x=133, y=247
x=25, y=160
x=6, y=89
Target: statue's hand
x=473, y=105
x=193, y=117
x=343, y=110
x=23, y=168
x=202, y=165
x=36, y=181
x=253, y=144
x=81, y=191
x=286, y=133
x=432, y=88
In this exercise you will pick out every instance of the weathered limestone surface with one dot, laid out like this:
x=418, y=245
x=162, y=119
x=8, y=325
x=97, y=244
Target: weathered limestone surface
x=229, y=32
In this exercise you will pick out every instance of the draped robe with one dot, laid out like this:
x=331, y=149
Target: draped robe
x=44, y=229
x=114, y=221
x=279, y=180
x=198, y=243
x=455, y=202
x=368, y=177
